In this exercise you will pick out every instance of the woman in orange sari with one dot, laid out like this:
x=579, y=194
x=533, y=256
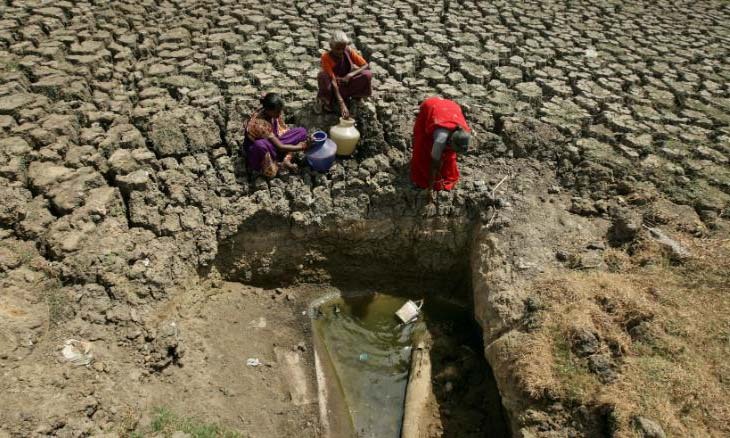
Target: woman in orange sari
x=345, y=75
x=440, y=132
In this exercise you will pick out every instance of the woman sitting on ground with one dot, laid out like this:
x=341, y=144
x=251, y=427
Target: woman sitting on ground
x=269, y=142
x=344, y=75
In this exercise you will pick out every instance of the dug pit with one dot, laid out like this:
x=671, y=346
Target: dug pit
x=365, y=270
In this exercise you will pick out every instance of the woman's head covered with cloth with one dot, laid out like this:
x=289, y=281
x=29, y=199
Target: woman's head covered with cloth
x=459, y=140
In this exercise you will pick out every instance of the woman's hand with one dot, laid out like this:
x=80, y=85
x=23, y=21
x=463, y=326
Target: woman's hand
x=429, y=196
x=344, y=111
x=302, y=146
x=343, y=108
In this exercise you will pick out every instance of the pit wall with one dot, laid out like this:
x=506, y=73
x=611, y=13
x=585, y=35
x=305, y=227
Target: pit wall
x=498, y=306
x=271, y=252
x=504, y=263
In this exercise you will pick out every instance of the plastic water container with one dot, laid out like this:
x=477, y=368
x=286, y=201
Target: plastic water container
x=346, y=136
x=321, y=157
x=409, y=311
x=318, y=138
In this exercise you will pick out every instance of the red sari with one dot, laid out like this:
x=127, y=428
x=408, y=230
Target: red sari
x=435, y=113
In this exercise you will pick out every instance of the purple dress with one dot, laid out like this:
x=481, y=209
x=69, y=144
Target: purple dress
x=256, y=149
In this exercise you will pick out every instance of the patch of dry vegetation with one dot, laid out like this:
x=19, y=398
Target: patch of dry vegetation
x=663, y=329
x=168, y=424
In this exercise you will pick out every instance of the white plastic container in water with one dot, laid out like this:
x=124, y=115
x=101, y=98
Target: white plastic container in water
x=409, y=311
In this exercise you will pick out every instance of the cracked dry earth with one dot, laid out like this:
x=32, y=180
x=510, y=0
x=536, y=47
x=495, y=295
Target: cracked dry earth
x=121, y=181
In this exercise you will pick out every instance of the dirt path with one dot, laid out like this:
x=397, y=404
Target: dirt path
x=222, y=333
x=210, y=382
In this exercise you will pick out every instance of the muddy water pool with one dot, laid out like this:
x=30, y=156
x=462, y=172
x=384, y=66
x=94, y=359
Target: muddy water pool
x=370, y=352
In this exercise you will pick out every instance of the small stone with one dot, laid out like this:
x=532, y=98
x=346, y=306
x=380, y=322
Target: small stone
x=649, y=428
x=584, y=342
x=137, y=180
x=601, y=206
x=626, y=225
x=641, y=331
x=601, y=364
x=583, y=207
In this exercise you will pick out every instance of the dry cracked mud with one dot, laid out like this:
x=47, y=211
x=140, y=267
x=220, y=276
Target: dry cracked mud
x=601, y=127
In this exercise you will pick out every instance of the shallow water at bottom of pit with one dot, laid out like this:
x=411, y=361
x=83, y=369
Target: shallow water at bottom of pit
x=370, y=352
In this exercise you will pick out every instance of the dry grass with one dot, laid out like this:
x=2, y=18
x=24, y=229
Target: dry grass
x=166, y=423
x=677, y=371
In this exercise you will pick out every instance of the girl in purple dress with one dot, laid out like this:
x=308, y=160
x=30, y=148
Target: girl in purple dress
x=269, y=143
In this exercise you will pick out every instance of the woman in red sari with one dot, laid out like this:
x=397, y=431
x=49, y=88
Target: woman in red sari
x=344, y=75
x=440, y=132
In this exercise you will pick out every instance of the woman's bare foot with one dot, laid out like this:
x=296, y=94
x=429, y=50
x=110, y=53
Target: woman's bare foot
x=268, y=166
x=288, y=165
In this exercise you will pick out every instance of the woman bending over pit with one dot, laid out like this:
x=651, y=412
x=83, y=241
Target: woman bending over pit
x=269, y=143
